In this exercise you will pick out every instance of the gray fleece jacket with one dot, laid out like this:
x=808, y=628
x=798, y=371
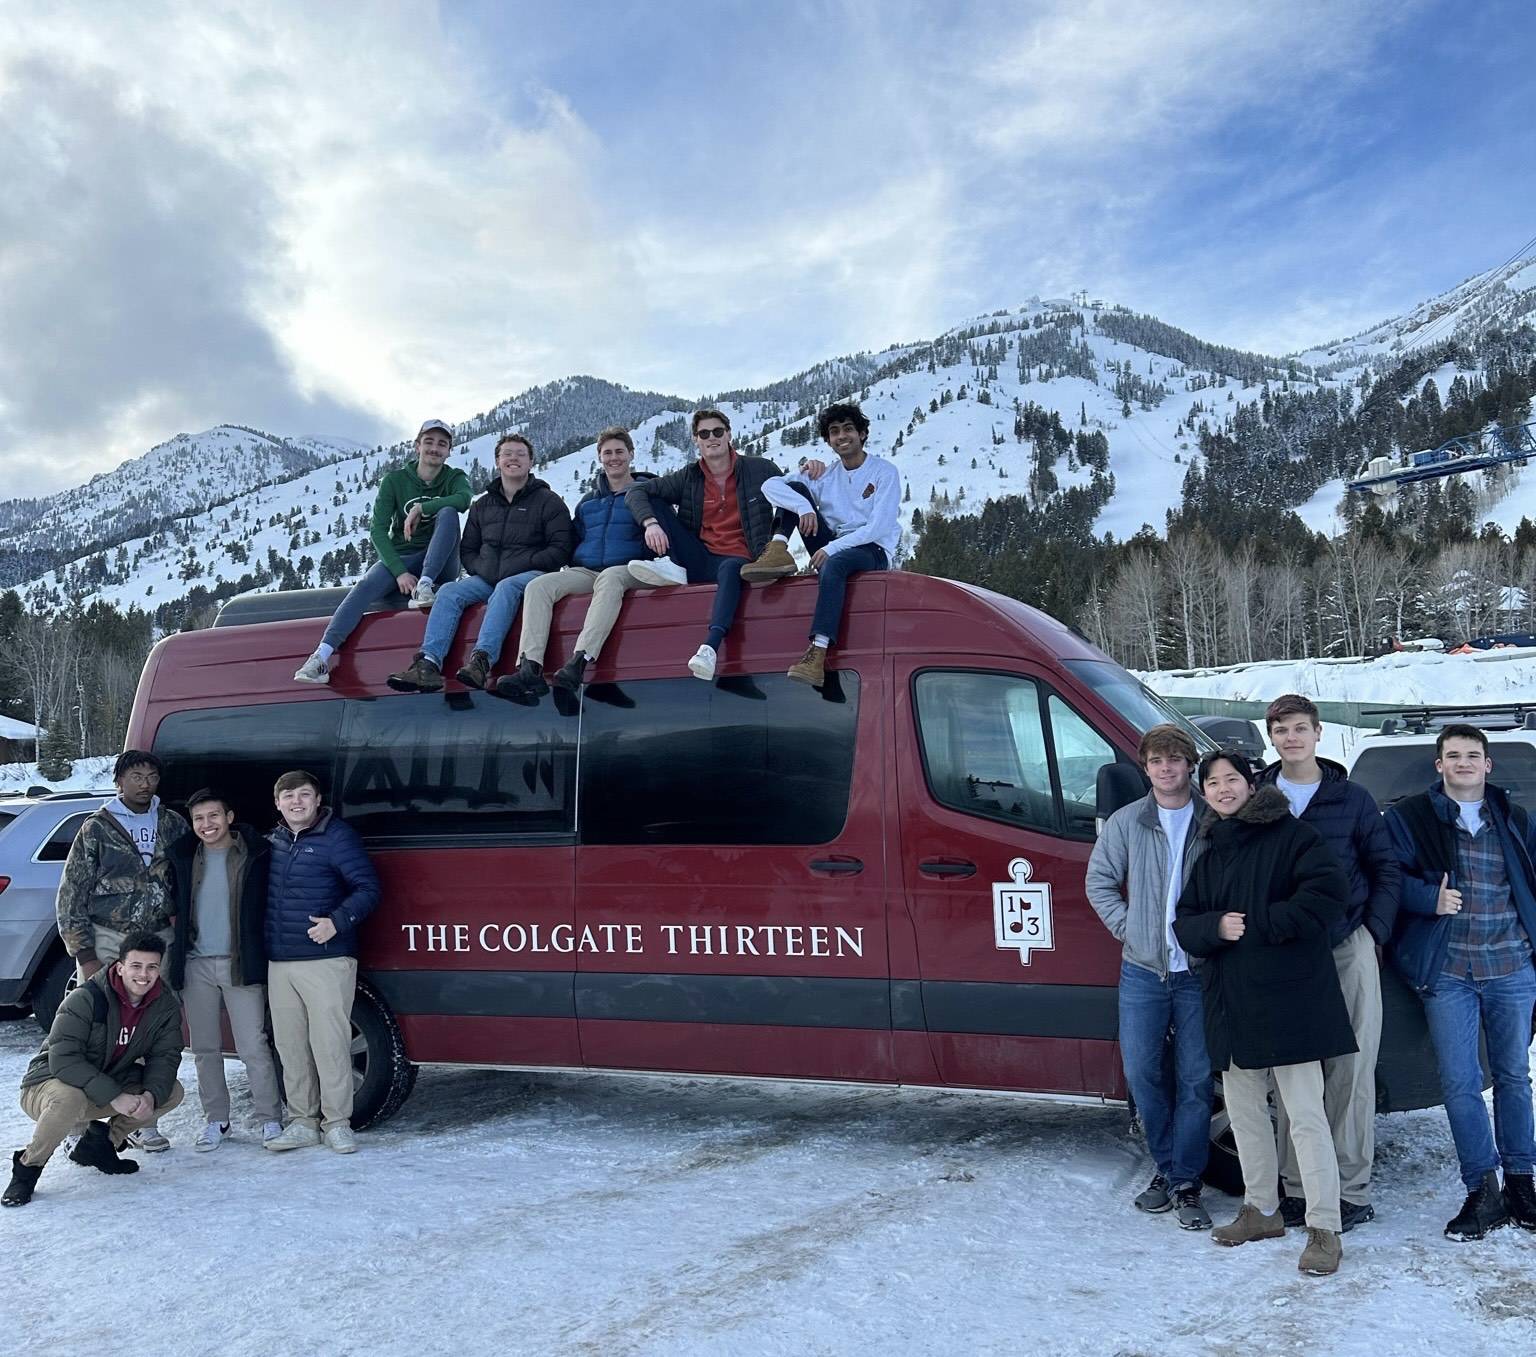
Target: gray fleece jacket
x=1127, y=880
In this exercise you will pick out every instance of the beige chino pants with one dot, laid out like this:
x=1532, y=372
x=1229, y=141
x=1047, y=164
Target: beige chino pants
x=1299, y=1089
x=209, y=988
x=108, y=943
x=311, y=1004
x=607, y=588
x=1349, y=1081
x=58, y=1108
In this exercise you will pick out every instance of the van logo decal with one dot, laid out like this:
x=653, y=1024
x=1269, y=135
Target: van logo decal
x=1021, y=912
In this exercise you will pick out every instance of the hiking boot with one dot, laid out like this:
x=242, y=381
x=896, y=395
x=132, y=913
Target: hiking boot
x=527, y=685
x=313, y=670
x=811, y=667
x=1293, y=1211
x=296, y=1136
x=1351, y=1215
x=1321, y=1256
x=1192, y=1214
x=702, y=665
x=211, y=1136
x=1250, y=1224
x=1482, y=1211
x=341, y=1139
x=423, y=596
x=423, y=676
x=23, y=1180
x=477, y=673
x=774, y=564
x=658, y=573
x=571, y=674
x=148, y=1138
x=95, y=1150
x=1520, y=1200
x=1156, y=1197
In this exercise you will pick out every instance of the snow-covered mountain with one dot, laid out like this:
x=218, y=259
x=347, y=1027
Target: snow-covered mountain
x=1047, y=399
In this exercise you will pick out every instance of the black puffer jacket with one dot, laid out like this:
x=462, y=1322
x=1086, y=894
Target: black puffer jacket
x=532, y=532
x=1272, y=997
x=685, y=489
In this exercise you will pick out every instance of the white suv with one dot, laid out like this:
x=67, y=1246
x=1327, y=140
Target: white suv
x=1399, y=759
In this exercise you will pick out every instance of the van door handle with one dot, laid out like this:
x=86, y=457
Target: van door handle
x=837, y=866
x=946, y=867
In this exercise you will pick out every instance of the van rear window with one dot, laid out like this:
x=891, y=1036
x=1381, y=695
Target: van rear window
x=1392, y=771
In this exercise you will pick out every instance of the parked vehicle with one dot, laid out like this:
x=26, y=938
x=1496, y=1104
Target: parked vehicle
x=879, y=881
x=1399, y=759
x=33, y=845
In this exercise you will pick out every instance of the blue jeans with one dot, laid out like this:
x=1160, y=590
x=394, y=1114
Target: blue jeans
x=1174, y=1103
x=1502, y=1010
x=703, y=567
x=439, y=560
x=500, y=612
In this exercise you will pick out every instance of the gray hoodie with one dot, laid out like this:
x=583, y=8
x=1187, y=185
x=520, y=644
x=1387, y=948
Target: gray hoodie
x=1127, y=880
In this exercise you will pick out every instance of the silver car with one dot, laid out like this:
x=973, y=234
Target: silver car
x=35, y=835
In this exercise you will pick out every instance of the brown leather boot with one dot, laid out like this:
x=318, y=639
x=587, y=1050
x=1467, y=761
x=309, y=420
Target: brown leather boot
x=422, y=676
x=477, y=672
x=812, y=666
x=774, y=564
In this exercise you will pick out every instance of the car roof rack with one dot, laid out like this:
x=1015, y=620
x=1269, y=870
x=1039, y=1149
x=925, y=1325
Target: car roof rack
x=1496, y=716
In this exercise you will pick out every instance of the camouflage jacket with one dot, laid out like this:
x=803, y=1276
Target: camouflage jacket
x=106, y=882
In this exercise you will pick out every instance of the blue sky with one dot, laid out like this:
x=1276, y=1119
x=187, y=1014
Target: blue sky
x=317, y=220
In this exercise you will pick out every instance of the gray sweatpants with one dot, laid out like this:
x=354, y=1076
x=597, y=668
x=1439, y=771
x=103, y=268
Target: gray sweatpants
x=208, y=988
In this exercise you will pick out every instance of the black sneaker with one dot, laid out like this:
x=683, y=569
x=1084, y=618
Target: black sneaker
x=1155, y=1198
x=1352, y=1214
x=95, y=1149
x=422, y=676
x=570, y=674
x=1482, y=1211
x=477, y=672
x=526, y=685
x=1192, y=1214
x=1520, y=1199
x=1293, y=1211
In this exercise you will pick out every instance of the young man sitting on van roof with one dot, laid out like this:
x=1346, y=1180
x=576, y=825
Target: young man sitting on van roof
x=516, y=531
x=719, y=524
x=849, y=518
x=415, y=531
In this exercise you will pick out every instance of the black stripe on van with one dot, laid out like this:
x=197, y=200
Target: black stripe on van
x=971, y=1007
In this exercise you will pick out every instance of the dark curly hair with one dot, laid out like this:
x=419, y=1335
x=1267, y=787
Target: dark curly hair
x=836, y=414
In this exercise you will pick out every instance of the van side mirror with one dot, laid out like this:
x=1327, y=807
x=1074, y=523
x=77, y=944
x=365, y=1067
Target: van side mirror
x=1119, y=784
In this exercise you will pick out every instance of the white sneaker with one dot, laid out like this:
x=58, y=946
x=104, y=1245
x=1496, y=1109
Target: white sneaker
x=423, y=595
x=342, y=1139
x=211, y=1136
x=658, y=573
x=296, y=1136
x=702, y=665
x=148, y=1138
x=270, y=1130
x=313, y=670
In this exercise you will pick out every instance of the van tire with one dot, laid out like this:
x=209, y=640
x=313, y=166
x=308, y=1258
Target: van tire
x=1223, y=1171
x=382, y=1077
x=49, y=988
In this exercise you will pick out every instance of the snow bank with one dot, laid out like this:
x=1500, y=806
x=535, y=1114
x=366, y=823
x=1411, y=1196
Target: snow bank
x=92, y=773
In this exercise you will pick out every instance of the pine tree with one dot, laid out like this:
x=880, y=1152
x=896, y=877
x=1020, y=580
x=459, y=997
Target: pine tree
x=55, y=753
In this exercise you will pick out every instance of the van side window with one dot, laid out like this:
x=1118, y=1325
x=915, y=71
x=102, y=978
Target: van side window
x=458, y=765
x=1080, y=752
x=751, y=760
x=56, y=849
x=984, y=747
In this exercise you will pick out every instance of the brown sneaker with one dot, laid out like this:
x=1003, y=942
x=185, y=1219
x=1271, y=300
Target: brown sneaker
x=1322, y=1254
x=477, y=672
x=774, y=564
x=812, y=667
x=1251, y=1224
x=422, y=677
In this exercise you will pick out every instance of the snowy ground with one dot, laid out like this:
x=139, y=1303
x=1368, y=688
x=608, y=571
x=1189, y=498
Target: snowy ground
x=570, y=1214
x=87, y=775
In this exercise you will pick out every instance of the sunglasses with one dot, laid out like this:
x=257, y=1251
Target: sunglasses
x=711, y=433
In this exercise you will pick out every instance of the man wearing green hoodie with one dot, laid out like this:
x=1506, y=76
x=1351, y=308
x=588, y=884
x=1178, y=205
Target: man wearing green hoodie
x=415, y=531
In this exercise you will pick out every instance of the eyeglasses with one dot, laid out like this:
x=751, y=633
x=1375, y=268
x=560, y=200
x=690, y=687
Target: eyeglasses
x=711, y=433
x=141, y=777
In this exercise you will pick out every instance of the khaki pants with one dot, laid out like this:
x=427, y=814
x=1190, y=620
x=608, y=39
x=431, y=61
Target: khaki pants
x=58, y=1108
x=1349, y=1081
x=109, y=945
x=539, y=598
x=207, y=989
x=312, y=1026
x=1299, y=1089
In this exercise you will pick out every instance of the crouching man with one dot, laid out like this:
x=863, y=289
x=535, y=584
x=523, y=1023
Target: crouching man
x=109, y=1059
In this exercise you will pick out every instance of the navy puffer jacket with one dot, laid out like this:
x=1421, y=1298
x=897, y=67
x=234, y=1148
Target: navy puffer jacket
x=606, y=532
x=324, y=871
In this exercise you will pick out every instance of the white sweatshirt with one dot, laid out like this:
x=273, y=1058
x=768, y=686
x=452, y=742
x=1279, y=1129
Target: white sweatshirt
x=859, y=508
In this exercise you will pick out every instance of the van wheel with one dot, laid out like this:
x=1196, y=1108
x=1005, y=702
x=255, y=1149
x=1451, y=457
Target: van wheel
x=49, y=988
x=1223, y=1171
x=382, y=1078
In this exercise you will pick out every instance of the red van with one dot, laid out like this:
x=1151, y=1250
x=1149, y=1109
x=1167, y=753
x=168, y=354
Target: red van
x=879, y=881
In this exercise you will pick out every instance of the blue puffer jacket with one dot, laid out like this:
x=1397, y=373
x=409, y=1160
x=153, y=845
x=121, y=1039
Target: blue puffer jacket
x=323, y=871
x=606, y=532
x=1422, y=937
x=1347, y=817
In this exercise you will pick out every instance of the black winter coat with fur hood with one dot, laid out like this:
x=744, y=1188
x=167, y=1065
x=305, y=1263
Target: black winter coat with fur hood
x=1272, y=997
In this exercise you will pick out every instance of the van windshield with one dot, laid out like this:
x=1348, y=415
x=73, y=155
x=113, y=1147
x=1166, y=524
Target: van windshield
x=1135, y=701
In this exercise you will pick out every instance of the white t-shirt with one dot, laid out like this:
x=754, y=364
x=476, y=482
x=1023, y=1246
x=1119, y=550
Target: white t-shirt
x=1299, y=794
x=1471, y=816
x=142, y=829
x=1176, y=825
